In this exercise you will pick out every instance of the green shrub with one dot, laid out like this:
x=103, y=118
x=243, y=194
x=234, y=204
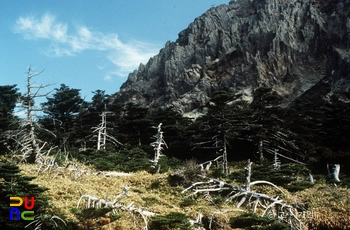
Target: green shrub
x=149, y=201
x=283, y=176
x=167, y=164
x=127, y=160
x=173, y=220
x=251, y=221
x=187, y=201
x=219, y=200
x=298, y=186
x=156, y=184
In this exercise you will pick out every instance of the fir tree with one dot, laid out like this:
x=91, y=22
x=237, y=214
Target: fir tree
x=14, y=184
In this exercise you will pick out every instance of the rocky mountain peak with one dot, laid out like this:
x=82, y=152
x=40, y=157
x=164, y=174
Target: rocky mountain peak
x=287, y=45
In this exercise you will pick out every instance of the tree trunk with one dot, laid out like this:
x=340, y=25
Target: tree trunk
x=336, y=171
x=224, y=160
x=248, y=170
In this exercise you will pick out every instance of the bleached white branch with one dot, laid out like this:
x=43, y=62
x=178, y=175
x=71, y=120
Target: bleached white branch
x=96, y=202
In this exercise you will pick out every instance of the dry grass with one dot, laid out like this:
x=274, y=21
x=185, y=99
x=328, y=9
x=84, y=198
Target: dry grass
x=148, y=191
x=328, y=206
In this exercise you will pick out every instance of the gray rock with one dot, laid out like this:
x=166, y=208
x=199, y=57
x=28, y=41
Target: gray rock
x=289, y=46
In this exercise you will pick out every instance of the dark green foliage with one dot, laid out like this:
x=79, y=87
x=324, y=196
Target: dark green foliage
x=156, y=184
x=188, y=201
x=176, y=132
x=298, y=185
x=8, y=99
x=216, y=172
x=251, y=221
x=62, y=111
x=283, y=176
x=173, y=220
x=14, y=184
x=219, y=200
x=126, y=160
x=136, y=125
x=169, y=163
x=149, y=201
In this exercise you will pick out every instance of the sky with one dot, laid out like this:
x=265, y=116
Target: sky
x=87, y=44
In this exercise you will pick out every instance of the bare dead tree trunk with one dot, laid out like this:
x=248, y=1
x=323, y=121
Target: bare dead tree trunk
x=102, y=135
x=224, y=159
x=28, y=143
x=28, y=140
x=30, y=101
x=335, y=171
x=276, y=162
x=158, y=145
x=248, y=173
x=311, y=178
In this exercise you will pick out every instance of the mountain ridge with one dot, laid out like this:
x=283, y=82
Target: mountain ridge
x=289, y=46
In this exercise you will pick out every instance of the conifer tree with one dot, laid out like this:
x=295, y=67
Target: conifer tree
x=14, y=184
x=8, y=97
x=62, y=111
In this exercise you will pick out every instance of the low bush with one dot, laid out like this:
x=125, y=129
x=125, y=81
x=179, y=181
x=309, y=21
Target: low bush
x=293, y=177
x=173, y=220
x=251, y=221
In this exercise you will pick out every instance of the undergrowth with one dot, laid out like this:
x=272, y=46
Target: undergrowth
x=152, y=192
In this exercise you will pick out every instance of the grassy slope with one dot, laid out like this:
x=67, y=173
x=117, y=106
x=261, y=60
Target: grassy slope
x=327, y=205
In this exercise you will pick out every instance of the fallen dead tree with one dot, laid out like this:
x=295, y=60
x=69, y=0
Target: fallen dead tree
x=95, y=202
x=49, y=164
x=271, y=207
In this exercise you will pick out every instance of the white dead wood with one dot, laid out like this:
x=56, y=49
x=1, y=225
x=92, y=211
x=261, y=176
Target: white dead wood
x=197, y=223
x=49, y=164
x=276, y=162
x=311, y=178
x=336, y=171
x=95, y=202
x=102, y=136
x=208, y=164
x=248, y=174
x=158, y=145
x=248, y=198
x=28, y=143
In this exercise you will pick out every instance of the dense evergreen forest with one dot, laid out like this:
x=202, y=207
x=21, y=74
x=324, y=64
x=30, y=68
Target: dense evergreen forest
x=312, y=132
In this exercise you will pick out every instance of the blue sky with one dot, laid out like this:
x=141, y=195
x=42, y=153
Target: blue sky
x=87, y=44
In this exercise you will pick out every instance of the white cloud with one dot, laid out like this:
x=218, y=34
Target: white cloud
x=125, y=56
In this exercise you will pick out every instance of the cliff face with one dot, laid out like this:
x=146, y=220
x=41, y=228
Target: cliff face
x=289, y=45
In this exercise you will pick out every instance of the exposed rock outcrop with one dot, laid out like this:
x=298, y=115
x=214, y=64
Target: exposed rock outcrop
x=289, y=45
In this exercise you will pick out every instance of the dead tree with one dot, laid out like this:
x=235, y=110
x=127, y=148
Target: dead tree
x=158, y=145
x=102, y=135
x=208, y=164
x=276, y=161
x=267, y=205
x=95, y=202
x=333, y=171
x=29, y=144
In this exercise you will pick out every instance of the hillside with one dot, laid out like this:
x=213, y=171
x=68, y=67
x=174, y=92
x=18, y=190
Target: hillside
x=322, y=206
